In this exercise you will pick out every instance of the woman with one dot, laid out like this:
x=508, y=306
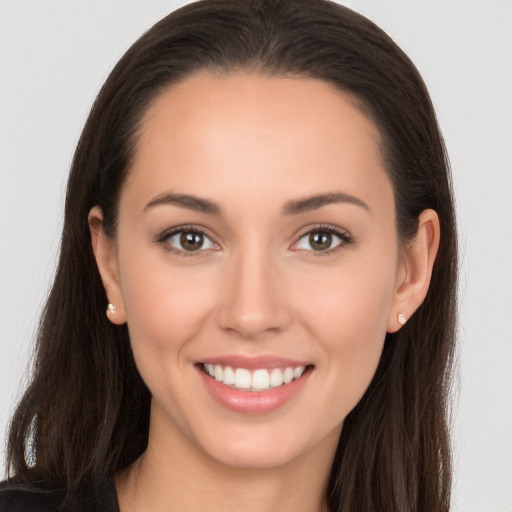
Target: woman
x=293, y=356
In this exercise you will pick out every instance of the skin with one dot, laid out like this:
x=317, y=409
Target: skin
x=251, y=145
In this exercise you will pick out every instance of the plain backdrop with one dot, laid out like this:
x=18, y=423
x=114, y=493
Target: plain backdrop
x=54, y=56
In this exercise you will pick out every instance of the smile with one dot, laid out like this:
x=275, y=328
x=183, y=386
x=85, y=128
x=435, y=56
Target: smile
x=257, y=385
x=260, y=379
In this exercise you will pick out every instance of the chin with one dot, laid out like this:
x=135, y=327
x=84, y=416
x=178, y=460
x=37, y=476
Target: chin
x=266, y=447
x=244, y=455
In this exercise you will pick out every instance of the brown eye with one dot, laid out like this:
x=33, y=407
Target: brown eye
x=188, y=240
x=191, y=240
x=320, y=241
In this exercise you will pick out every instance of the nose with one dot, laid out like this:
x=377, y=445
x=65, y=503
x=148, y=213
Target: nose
x=254, y=302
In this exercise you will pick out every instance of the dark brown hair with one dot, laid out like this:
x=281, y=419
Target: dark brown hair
x=86, y=411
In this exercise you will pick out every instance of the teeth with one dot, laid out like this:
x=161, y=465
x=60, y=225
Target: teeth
x=276, y=377
x=288, y=375
x=229, y=376
x=242, y=378
x=298, y=372
x=258, y=380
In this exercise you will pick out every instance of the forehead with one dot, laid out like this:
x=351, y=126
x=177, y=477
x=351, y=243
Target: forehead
x=243, y=132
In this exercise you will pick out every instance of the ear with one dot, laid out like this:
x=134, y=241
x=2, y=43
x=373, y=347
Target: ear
x=415, y=271
x=106, y=258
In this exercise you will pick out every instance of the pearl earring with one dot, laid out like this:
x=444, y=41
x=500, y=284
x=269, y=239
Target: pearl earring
x=401, y=319
x=111, y=309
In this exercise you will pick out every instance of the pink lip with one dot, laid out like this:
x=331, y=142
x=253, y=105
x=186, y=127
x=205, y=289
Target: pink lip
x=253, y=363
x=253, y=402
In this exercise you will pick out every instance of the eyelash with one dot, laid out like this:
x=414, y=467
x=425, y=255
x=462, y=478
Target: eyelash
x=343, y=235
x=163, y=239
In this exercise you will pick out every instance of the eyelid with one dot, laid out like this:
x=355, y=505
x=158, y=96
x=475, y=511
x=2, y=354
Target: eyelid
x=163, y=238
x=343, y=234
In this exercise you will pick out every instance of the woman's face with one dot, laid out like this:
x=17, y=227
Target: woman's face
x=257, y=242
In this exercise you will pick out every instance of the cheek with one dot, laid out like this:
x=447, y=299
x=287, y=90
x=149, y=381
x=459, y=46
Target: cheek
x=165, y=310
x=164, y=305
x=347, y=314
x=353, y=300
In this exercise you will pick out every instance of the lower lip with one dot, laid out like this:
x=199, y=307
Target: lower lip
x=254, y=402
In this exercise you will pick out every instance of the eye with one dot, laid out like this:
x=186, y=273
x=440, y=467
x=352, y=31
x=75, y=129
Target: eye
x=322, y=240
x=187, y=240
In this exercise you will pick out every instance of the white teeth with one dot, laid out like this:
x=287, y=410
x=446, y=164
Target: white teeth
x=242, y=378
x=288, y=375
x=276, y=377
x=298, y=372
x=258, y=380
x=229, y=376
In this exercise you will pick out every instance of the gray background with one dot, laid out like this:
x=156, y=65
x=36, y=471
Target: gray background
x=54, y=56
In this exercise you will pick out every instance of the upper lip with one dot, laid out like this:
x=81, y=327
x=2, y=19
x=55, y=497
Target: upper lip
x=254, y=362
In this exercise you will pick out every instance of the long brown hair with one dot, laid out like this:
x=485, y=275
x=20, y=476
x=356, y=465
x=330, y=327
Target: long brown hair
x=86, y=412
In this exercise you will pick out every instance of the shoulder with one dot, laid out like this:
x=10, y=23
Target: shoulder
x=26, y=498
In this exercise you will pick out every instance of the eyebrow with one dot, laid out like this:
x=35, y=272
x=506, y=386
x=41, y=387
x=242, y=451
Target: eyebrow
x=294, y=207
x=315, y=202
x=189, y=202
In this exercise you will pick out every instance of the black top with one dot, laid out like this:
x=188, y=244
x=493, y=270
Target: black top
x=33, y=499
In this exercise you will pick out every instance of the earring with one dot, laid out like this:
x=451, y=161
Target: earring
x=401, y=319
x=111, y=309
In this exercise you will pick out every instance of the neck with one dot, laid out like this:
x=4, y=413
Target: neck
x=177, y=473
